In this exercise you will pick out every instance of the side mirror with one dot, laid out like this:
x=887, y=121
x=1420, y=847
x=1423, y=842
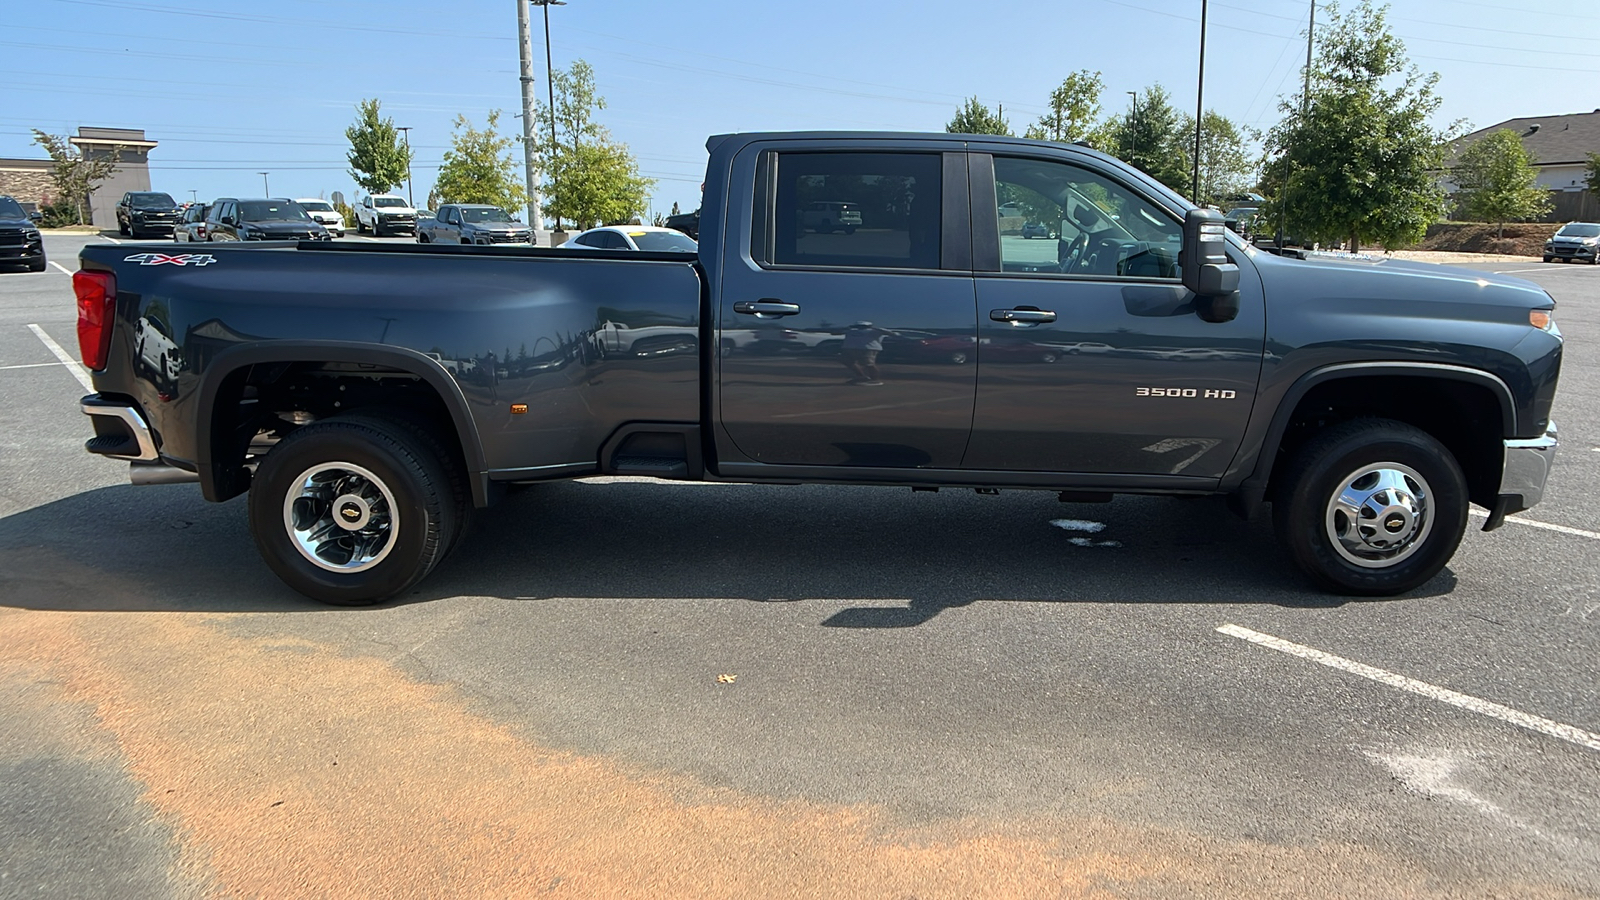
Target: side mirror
x=36, y=217
x=1205, y=266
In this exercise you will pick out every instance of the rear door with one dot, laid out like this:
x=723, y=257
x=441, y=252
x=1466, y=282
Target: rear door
x=1091, y=357
x=805, y=310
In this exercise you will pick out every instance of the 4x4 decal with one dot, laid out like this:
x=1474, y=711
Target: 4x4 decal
x=163, y=259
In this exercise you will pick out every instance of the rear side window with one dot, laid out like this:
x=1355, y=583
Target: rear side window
x=866, y=210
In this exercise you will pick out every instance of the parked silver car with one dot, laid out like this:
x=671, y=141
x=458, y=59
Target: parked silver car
x=1578, y=241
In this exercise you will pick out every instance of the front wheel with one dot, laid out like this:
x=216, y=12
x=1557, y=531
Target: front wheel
x=354, y=510
x=1372, y=507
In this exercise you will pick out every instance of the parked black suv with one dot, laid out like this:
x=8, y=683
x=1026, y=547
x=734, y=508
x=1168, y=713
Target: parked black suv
x=278, y=219
x=142, y=212
x=20, y=241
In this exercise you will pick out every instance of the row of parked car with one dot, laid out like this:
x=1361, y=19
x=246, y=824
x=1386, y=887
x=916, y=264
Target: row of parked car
x=149, y=213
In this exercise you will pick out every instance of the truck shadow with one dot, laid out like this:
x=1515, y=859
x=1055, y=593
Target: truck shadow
x=905, y=558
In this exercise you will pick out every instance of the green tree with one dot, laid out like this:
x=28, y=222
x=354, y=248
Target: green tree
x=1591, y=173
x=1156, y=139
x=1357, y=162
x=479, y=166
x=73, y=175
x=590, y=178
x=378, y=159
x=1497, y=176
x=1074, y=108
x=1226, y=165
x=975, y=118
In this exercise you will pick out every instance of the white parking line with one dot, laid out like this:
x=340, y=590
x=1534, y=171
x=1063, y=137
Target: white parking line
x=1422, y=688
x=1575, y=532
x=73, y=366
x=28, y=366
x=64, y=270
x=112, y=240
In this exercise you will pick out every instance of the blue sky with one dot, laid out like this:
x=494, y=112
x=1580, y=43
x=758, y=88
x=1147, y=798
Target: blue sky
x=232, y=89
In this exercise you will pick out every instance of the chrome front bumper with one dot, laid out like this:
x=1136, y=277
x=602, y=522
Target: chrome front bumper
x=1523, y=473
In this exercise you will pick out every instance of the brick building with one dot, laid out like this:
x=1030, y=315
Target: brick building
x=28, y=180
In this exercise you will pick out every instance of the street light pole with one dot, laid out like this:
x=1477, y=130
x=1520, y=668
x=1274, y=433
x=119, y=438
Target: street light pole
x=550, y=81
x=529, y=154
x=1200, y=104
x=406, y=132
x=264, y=189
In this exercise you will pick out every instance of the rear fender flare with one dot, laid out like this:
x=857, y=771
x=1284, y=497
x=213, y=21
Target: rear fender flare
x=215, y=481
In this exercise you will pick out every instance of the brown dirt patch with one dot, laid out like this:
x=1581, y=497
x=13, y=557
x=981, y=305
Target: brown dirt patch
x=293, y=771
x=1520, y=239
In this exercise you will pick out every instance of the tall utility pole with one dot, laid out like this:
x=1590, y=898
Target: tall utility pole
x=266, y=191
x=406, y=133
x=550, y=79
x=1200, y=104
x=529, y=154
x=1311, y=33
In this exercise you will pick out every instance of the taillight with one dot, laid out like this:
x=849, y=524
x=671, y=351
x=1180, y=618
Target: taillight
x=97, y=299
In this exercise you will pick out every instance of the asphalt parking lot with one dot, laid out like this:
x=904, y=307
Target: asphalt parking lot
x=931, y=694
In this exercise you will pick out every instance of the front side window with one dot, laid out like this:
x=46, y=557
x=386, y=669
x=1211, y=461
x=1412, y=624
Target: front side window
x=1059, y=219
x=870, y=210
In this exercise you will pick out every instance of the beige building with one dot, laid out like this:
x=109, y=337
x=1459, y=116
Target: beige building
x=28, y=180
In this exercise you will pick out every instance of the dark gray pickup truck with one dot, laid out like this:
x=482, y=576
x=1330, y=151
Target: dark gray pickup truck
x=368, y=397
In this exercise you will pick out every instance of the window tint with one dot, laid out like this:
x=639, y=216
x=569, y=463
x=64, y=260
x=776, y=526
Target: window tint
x=610, y=240
x=589, y=240
x=857, y=209
x=1060, y=219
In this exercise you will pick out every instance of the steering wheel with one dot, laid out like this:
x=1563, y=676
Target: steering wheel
x=1072, y=258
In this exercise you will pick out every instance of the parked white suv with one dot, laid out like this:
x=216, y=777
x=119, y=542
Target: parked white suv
x=385, y=214
x=324, y=214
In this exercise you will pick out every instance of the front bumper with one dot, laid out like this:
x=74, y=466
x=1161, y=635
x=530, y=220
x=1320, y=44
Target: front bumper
x=1570, y=251
x=1523, y=473
x=25, y=253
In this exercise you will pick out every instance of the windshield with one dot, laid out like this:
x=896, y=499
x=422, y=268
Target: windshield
x=474, y=215
x=664, y=241
x=11, y=209
x=1579, y=229
x=151, y=201
x=316, y=205
x=271, y=211
x=388, y=202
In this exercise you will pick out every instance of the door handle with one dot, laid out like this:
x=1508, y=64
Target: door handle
x=766, y=308
x=1022, y=315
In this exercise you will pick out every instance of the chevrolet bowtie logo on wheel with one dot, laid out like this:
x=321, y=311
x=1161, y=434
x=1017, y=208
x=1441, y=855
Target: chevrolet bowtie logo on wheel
x=163, y=259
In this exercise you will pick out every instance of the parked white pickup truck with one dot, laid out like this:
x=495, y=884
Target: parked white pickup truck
x=385, y=214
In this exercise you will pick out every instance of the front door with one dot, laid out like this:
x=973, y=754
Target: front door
x=1091, y=356
x=848, y=343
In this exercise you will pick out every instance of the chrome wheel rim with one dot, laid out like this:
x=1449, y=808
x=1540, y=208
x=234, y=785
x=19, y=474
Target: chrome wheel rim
x=1379, y=515
x=341, y=517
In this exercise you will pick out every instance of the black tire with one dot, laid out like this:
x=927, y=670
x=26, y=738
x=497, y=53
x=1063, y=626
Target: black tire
x=415, y=474
x=1548, y=258
x=422, y=238
x=850, y=229
x=1306, y=519
x=121, y=228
